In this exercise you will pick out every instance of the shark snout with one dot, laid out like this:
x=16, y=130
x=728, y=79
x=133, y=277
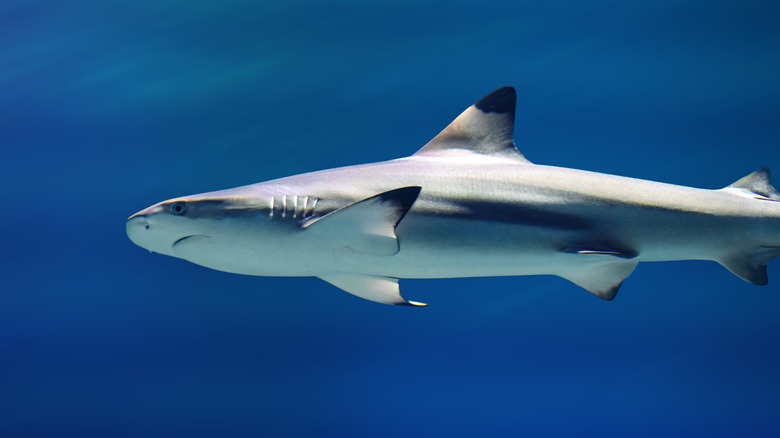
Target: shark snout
x=146, y=230
x=138, y=224
x=146, y=212
x=137, y=228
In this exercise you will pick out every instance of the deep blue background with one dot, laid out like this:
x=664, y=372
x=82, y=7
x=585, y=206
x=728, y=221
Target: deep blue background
x=107, y=107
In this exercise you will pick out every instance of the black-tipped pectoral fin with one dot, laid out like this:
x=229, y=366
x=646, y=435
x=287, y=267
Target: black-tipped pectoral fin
x=383, y=290
x=367, y=225
x=600, y=272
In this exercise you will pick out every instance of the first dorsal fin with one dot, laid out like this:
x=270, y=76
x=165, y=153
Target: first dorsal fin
x=758, y=183
x=485, y=128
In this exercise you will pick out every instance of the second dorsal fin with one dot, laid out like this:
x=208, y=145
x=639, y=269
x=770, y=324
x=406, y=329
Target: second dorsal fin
x=485, y=128
x=758, y=183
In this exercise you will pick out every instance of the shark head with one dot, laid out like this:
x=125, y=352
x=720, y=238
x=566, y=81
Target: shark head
x=165, y=225
x=250, y=231
x=197, y=227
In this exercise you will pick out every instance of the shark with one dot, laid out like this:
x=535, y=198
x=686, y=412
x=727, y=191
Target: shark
x=467, y=204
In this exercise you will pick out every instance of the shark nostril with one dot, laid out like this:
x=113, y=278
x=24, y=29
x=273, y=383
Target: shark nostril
x=144, y=222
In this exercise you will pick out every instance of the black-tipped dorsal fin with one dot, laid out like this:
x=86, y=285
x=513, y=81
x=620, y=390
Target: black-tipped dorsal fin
x=758, y=183
x=485, y=128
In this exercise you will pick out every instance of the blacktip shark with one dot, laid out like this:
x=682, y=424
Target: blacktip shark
x=468, y=204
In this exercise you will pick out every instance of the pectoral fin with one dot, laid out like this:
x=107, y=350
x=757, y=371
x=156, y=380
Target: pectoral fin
x=383, y=290
x=368, y=225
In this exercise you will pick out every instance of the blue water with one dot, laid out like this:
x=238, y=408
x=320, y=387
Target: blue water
x=107, y=107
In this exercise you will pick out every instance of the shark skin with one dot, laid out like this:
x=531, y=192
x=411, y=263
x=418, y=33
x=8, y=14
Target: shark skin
x=468, y=204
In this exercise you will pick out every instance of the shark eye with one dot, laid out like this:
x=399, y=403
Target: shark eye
x=177, y=208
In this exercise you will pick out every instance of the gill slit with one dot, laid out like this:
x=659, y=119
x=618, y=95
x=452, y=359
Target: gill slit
x=302, y=206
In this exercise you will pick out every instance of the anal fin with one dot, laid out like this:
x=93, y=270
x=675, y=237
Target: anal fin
x=751, y=266
x=600, y=271
x=379, y=289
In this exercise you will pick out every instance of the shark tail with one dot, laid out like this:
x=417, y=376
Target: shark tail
x=750, y=265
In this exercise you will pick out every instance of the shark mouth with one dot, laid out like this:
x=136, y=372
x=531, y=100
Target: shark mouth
x=182, y=239
x=190, y=247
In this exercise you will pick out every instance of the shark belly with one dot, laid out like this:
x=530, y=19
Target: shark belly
x=435, y=248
